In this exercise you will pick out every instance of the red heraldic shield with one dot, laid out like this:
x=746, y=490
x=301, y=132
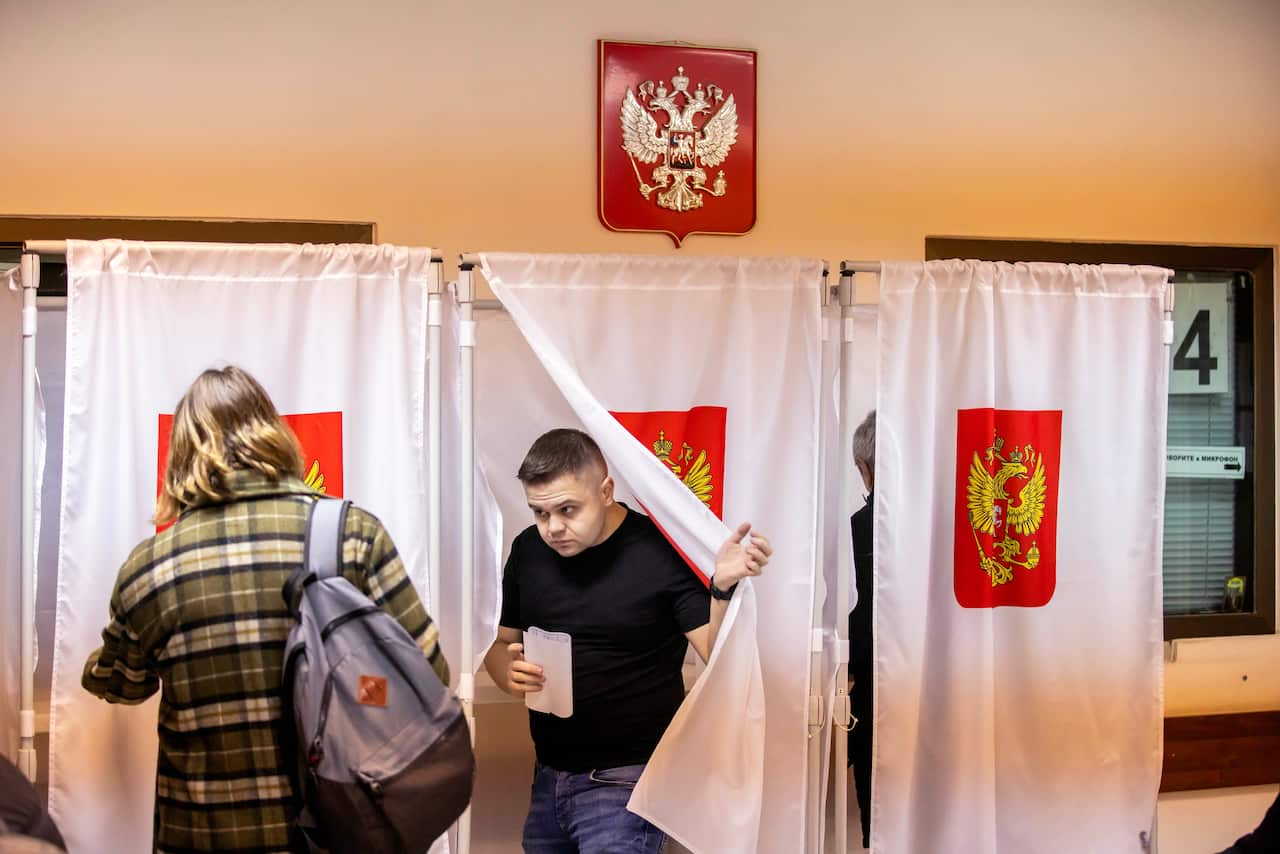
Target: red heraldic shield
x=691, y=443
x=677, y=139
x=1006, y=529
x=319, y=434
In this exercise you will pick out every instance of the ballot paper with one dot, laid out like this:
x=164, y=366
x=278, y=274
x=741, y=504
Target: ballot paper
x=553, y=652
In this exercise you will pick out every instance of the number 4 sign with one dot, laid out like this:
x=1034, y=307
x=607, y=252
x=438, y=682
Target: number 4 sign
x=1201, y=347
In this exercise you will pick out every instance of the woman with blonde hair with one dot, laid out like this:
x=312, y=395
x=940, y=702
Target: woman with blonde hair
x=198, y=614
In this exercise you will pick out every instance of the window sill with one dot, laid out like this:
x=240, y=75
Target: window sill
x=1217, y=625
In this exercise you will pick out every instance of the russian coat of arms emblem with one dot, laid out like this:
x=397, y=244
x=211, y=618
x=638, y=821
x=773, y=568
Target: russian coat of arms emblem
x=683, y=152
x=677, y=139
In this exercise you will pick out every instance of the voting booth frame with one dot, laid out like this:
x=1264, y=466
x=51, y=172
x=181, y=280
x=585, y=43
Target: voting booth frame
x=836, y=716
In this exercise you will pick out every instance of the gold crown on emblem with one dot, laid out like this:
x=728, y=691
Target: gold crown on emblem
x=1024, y=454
x=662, y=447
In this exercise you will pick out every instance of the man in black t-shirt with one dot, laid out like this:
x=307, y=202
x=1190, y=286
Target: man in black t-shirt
x=605, y=575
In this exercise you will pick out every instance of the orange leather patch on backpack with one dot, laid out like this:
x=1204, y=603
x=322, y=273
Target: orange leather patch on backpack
x=372, y=691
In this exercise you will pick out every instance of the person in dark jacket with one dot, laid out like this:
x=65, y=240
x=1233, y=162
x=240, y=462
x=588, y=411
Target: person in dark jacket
x=21, y=814
x=861, y=657
x=1265, y=839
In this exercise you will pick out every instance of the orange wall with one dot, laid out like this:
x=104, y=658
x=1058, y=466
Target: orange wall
x=471, y=126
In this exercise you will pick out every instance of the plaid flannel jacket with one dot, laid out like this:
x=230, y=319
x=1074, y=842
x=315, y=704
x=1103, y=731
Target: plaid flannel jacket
x=198, y=614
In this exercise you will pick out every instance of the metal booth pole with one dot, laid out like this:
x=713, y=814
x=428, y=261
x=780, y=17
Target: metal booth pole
x=435, y=476
x=464, y=293
x=30, y=273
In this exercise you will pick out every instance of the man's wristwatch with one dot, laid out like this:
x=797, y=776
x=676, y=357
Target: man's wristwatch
x=717, y=593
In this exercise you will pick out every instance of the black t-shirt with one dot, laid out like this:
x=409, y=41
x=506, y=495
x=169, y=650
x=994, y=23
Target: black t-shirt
x=627, y=604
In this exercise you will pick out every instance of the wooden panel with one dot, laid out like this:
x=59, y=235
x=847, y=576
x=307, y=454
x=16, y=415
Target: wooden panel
x=1220, y=751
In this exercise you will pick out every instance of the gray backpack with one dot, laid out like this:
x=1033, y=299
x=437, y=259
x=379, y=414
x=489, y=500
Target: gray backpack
x=383, y=751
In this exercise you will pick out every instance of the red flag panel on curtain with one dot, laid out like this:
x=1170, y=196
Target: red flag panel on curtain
x=319, y=434
x=691, y=444
x=1006, y=507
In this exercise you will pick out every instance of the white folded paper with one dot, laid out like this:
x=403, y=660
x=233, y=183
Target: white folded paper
x=553, y=652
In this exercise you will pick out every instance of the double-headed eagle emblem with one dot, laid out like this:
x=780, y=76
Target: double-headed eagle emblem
x=694, y=472
x=682, y=149
x=991, y=513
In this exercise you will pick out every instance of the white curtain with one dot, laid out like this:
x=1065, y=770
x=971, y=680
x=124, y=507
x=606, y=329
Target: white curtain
x=516, y=401
x=51, y=353
x=1019, y=490
x=326, y=329
x=639, y=334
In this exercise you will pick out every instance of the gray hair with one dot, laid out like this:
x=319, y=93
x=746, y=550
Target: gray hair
x=864, y=441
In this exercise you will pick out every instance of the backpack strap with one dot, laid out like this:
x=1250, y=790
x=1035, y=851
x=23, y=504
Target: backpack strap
x=321, y=558
x=321, y=550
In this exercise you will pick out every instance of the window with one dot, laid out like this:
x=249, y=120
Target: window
x=1219, y=539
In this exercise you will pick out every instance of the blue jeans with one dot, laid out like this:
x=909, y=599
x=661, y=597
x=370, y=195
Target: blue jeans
x=587, y=814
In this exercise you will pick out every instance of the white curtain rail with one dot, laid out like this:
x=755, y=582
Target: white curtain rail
x=57, y=248
x=45, y=248
x=471, y=260
x=848, y=268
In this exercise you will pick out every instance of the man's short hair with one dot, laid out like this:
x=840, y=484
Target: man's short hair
x=864, y=441
x=559, y=452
